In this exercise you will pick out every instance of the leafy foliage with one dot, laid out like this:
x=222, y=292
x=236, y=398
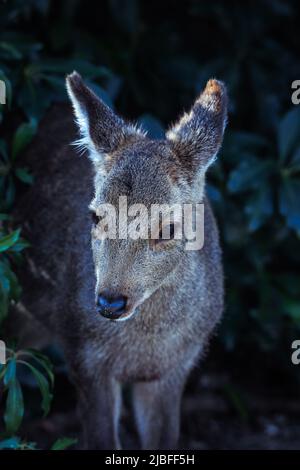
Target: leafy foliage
x=15, y=443
x=14, y=409
x=10, y=290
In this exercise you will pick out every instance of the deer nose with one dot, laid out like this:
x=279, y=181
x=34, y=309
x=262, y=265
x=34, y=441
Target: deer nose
x=111, y=306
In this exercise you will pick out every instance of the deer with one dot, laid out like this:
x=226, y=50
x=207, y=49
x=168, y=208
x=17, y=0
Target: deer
x=125, y=311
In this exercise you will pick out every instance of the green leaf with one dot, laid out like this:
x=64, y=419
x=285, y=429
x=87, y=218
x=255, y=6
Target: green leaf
x=14, y=408
x=11, y=443
x=248, y=174
x=5, y=216
x=10, y=372
x=43, y=361
x=24, y=175
x=20, y=245
x=23, y=137
x=4, y=293
x=15, y=288
x=259, y=207
x=289, y=133
x=292, y=309
x=9, y=240
x=63, y=443
x=245, y=141
x=9, y=284
x=43, y=386
x=11, y=50
x=289, y=197
x=28, y=446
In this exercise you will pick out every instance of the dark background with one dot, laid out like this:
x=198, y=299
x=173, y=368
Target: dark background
x=149, y=60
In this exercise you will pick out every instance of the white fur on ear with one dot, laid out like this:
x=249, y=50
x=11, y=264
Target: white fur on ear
x=79, y=111
x=84, y=142
x=102, y=131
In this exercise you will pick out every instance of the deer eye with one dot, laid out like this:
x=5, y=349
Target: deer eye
x=95, y=218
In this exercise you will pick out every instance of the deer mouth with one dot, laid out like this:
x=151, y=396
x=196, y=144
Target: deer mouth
x=120, y=315
x=125, y=316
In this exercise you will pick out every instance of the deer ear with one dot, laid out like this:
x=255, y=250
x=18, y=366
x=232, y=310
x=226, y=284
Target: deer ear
x=102, y=131
x=197, y=136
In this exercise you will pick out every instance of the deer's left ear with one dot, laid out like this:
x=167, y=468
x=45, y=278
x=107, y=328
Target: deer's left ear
x=102, y=131
x=197, y=136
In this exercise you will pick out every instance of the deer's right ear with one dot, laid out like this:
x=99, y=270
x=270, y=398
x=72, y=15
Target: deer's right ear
x=102, y=131
x=197, y=136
